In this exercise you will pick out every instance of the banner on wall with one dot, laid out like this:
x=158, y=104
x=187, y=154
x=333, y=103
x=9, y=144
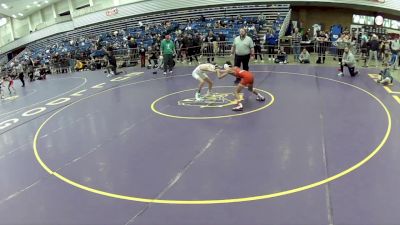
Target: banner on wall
x=112, y=12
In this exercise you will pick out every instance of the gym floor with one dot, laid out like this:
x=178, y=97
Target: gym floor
x=136, y=149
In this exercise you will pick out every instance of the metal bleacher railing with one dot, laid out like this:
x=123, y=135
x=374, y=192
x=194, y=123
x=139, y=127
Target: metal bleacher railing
x=217, y=51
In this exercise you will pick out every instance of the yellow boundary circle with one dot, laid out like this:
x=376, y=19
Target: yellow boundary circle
x=218, y=201
x=153, y=107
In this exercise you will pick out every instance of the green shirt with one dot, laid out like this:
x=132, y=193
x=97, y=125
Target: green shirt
x=243, y=47
x=167, y=47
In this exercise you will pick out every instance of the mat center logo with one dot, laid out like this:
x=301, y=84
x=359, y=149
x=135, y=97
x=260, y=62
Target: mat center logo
x=215, y=100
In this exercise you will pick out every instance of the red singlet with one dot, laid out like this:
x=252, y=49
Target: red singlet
x=247, y=77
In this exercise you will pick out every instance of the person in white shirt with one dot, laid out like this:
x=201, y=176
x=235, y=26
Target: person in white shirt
x=200, y=74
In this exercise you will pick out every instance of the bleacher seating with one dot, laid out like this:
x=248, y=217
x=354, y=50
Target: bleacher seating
x=269, y=11
x=60, y=44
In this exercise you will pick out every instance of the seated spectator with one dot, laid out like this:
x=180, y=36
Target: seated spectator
x=281, y=57
x=79, y=66
x=385, y=76
x=202, y=18
x=152, y=57
x=231, y=20
x=42, y=73
x=304, y=57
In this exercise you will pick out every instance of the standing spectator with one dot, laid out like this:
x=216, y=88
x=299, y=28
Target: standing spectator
x=20, y=73
x=222, y=43
x=132, y=48
x=270, y=41
x=197, y=45
x=242, y=47
x=257, y=47
x=30, y=69
x=304, y=57
x=142, y=52
x=167, y=51
x=307, y=35
x=342, y=42
x=394, y=48
x=191, y=49
x=364, y=49
x=373, y=49
x=261, y=19
x=322, y=44
x=178, y=44
x=296, y=39
x=184, y=48
x=210, y=39
x=349, y=61
x=71, y=62
x=385, y=50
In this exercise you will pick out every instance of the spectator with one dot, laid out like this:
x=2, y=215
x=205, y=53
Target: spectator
x=197, y=44
x=307, y=35
x=142, y=52
x=153, y=56
x=243, y=48
x=282, y=56
x=373, y=49
x=30, y=68
x=364, y=48
x=257, y=47
x=349, y=61
x=191, y=49
x=20, y=72
x=394, y=48
x=178, y=44
x=261, y=18
x=167, y=52
x=322, y=44
x=270, y=40
x=112, y=62
x=222, y=43
x=304, y=57
x=296, y=39
x=385, y=76
x=210, y=39
x=342, y=42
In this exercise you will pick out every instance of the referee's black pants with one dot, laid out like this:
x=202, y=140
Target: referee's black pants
x=242, y=60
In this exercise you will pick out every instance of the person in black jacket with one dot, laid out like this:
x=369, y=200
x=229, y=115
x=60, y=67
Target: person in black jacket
x=191, y=49
x=257, y=47
x=112, y=62
x=373, y=45
x=210, y=46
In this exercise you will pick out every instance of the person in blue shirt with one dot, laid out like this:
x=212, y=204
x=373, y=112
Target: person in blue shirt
x=270, y=41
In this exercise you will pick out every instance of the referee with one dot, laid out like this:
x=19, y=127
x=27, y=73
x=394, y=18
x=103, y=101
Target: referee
x=243, y=47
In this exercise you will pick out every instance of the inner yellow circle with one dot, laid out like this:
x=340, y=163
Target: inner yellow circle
x=154, y=107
